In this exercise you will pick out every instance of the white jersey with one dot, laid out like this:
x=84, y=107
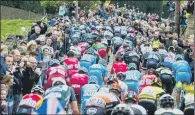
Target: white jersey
x=169, y=110
x=139, y=110
x=124, y=87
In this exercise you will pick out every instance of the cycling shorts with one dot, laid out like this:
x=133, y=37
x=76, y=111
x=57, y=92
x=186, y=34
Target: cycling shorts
x=149, y=104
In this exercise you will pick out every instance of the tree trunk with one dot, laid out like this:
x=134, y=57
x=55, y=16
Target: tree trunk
x=177, y=17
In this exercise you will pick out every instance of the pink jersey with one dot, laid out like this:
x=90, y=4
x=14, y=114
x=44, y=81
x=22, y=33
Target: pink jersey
x=146, y=80
x=83, y=46
x=72, y=64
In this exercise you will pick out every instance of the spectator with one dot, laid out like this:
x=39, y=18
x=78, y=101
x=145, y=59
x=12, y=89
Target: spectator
x=178, y=50
x=36, y=34
x=46, y=58
x=3, y=67
x=16, y=57
x=9, y=62
x=31, y=46
x=48, y=45
x=55, y=44
x=30, y=75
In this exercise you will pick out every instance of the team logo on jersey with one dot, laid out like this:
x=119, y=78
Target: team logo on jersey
x=91, y=111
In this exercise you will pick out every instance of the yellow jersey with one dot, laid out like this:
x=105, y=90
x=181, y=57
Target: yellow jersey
x=151, y=92
x=187, y=88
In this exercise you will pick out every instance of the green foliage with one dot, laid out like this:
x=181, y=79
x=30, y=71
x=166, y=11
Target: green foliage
x=86, y=5
x=13, y=27
x=54, y=3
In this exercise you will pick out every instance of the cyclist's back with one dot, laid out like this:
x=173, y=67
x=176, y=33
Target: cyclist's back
x=87, y=60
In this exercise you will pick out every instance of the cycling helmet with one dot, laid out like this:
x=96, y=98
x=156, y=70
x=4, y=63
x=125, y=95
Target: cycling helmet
x=121, y=76
x=115, y=87
x=75, y=42
x=171, y=48
x=166, y=100
x=119, y=58
x=103, y=62
x=37, y=88
x=54, y=63
x=157, y=82
x=70, y=54
x=58, y=81
x=179, y=57
x=131, y=95
x=132, y=66
x=110, y=80
x=122, y=109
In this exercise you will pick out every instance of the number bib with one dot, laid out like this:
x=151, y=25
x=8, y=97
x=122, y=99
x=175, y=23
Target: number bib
x=28, y=102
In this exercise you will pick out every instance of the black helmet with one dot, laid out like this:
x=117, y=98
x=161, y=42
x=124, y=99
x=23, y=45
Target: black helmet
x=70, y=54
x=75, y=42
x=119, y=58
x=121, y=76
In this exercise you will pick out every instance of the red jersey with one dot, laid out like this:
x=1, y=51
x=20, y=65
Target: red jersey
x=83, y=46
x=72, y=64
x=119, y=67
x=53, y=72
x=31, y=100
x=77, y=81
x=146, y=80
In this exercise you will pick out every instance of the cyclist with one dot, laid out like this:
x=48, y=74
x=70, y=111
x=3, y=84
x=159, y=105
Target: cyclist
x=122, y=109
x=78, y=80
x=88, y=58
x=132, y=78
x=167, y=106
x=131, y=98
x=55, y=70
x=87, y=91
x=119, y=66
x=187, y=104
x=168, y=81
x=183, y=88
x=153, y=59
x=100, y=48
x=146, y=80
x=62, y=95
x=132, y=57
x=181, y=70
x=149, y=96
x=71, y=63
x=32, y=101
x=76, y=49
x=169, y=58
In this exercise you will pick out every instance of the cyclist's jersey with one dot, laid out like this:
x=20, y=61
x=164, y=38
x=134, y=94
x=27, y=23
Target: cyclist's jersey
x=98, y=46
x=88, y=58
x=168, y=111
x=95, y=75
x=119, y=67
x=138, y=110
x=124, y=87
x=162, y=52
x=87, y=91
x=145, y=49
x=169, y=60
x=132, y=57
x=72, y=64
x=187, y=88
x=163, y=70
x=156, y=43
x=76, y=49
x=99, y=67
x=151, y=92
x=63, y=93
x=182, y=71
x=80, y=79
x=31, y=100
x=54, y=72
x=146, y=80
x=109, y=98
x=189, y=100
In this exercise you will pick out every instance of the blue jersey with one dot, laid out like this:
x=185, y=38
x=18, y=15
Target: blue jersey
x=87, y=91
x=154, y=57
x=95, y=76
x=182, y=71
x=50, y=106
x=132, y=78
x=99, y=67
x=87, y=60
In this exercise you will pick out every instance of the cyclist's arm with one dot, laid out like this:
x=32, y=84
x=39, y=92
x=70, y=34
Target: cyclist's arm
x=73, y=103
x=178, y=94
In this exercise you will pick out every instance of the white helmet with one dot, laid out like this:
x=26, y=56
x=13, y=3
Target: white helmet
x=124, y=109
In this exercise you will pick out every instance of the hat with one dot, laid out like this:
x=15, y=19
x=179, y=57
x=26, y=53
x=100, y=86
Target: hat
x=95, y=111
